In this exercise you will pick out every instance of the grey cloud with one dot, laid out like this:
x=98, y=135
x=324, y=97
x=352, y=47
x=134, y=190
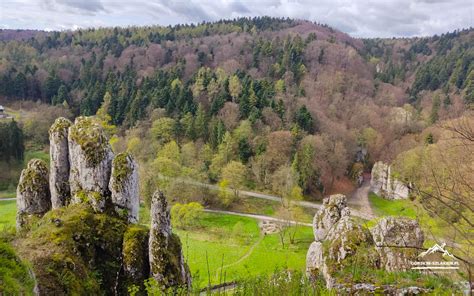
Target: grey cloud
x=238, y=7
x=89, y=5
x=364, y=18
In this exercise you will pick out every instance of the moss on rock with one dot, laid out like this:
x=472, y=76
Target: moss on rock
x=34, y=177
x=121, y=169
x=75, y=251
x=91, y=137
x=135, y=256
x=15, y=278
x=168, y=262
x=60, y=127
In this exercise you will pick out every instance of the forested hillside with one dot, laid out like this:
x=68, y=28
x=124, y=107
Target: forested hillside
x=272, y=97
x=243, y=126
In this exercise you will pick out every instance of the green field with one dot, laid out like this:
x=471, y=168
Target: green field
x=216, y=242
x=385, y=207
x=7, y=213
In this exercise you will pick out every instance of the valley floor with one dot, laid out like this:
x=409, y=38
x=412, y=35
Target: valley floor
x=229, y=246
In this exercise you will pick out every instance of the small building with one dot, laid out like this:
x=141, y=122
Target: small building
x=2, y=112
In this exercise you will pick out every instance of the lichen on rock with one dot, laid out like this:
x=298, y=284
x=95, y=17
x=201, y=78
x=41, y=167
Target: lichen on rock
x=33, y=195
x=59, y=163
x=384, y=184
x=167, y=265
x=337, y=240
x=90, y=158
x=90, y=136
x=333, y=209
x=397, y=241
x=124, y=186
x=343, y=245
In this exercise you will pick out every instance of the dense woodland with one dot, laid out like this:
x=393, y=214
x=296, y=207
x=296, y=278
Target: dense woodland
x=279, y=105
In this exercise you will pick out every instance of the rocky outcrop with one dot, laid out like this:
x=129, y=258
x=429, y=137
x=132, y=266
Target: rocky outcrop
x=397, y=241
x=33, y=196
x=93, y=240
x=384, y=184
x=337, y=239
x=167, y=265
x=59, y=163
x=136, y=265
x=124, y=186
x=333, y=209
x=90, y=158
x=342, y=244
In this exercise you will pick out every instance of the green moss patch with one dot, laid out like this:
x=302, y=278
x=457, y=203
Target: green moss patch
x=15, y=278
x=35, y=176
x=135, y=256
x=121, y=169
x=74, y=251
x=60, y=127
x=91, y=137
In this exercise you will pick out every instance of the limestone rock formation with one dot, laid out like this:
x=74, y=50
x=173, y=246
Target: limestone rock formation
x=397, y=241
x=383, y=183
x=342, y=244
x=91, y=241
x=315, y=260
x=124, y=186
x=33, y=196
x=167, y=265
x=333, y=209
x=59, y=163
x=90, y=158
x=136, y=265
x=338, y=238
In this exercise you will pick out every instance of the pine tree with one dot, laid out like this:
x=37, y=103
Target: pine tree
x=61, y=97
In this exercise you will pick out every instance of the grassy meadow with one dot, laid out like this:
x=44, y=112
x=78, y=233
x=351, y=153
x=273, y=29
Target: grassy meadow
x=224, y=247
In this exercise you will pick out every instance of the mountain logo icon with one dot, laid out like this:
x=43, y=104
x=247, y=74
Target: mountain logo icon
x=439, y=249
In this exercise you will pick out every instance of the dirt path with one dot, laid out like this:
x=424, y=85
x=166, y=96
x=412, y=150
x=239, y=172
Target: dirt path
x=359, y=199
x=306, y=204
x=259, y=217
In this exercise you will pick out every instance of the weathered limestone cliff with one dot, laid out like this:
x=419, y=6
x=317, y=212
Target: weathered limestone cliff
x=338, y=240
x=59, y=168
x=341, y=244
x=123, y=186
x=90, y=158
x=384, y=184
x=398, y=241
x=33, y=195
x=167, y=264
x=88, y=244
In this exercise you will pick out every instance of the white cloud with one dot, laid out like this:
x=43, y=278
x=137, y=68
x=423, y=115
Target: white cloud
x=361, y=18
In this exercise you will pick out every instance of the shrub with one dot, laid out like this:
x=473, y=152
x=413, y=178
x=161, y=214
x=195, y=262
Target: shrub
x=186, y=215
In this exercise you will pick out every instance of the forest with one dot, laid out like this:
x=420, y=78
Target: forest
x=286, y=107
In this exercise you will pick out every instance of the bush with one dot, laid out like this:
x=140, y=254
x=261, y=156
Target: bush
x=186, y=215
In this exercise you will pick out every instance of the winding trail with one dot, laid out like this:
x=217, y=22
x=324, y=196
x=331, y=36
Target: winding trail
x=306, y=204
x=245, y=256
x=360, y=200
x=259, y=217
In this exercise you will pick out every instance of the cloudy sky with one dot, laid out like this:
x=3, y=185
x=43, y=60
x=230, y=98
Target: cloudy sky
x=361, y=18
